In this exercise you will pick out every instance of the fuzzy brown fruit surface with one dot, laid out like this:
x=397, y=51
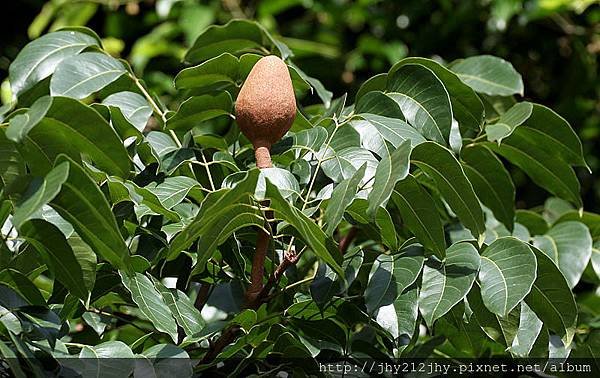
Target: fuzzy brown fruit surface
x=266, y=106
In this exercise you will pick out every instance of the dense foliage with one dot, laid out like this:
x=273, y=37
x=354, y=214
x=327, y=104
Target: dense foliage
x=129, y=227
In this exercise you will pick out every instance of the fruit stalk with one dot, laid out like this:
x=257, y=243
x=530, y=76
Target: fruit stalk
x=265, y=110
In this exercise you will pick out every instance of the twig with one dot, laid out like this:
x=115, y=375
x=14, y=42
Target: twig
x=258, y=269
x=226, y=338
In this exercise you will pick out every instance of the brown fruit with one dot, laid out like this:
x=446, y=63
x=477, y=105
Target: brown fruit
x=266, y=106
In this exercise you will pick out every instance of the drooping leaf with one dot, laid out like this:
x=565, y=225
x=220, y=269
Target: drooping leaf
x=133, y=107
x=97, y=321
x=321, y=245
x=341, y=197
x=82, y=204
x=39, y=193
x=40, y=57
x=508, y=270
x=447, y=282
x=391, y=169
x=82, y=75
x=55, y=249
x=490, y=75
x=551, y=298
x=423, y=99
x=491, y=181
x=150, y=302
x=530, y=327
x=211, y=209
x=451, y=181
x=569, y=245
x=187, y=316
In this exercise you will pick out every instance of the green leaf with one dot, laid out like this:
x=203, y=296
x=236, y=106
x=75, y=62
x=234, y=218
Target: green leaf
x=61, y=260
x=150, y=302
x=222, y=69
x=187, y=316
x=569, y=245
x=211, y=208
x=534, y=222
x=490, y=75
x=423, y=99
x=110, y=359
x=341, y=197
x=467, y=108
x=235, y=37
x=172, y=190
x=545, y=169
x=39, y=58
x=12, y=165
x=327, y=284
x=553, y=134
x=377, y=102
x=374, y=83
x=391, y=169
x=491, y=181
x=509, y=121
x=447, y=282
x=342, y=164
x=82, y=204
x=527, y=334
x=420, y=215
x=12, y=360
x=133, y=107
x=62, y=125
x=390, y=275
x=446, y=172
x=96, y=321
x=506, y=275
x=39, y=193
x=167, y=359
x=84, y=74
x=282, y=178
x=24, y=290
x=376, y=130
x=198, y=109
x=551, y=298
x=322, y=245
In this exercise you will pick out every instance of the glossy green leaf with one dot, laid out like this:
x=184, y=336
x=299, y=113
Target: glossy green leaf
x=109, y=359
x=376, y=130
x=391, y=169
x=467, y=108
x=490, y=75
x=12, y=165
x=447, y=282
x=569, y=245
x=60, y=125
x=377, y=102
x=420, y=215
x=58, y=254
x=491, y=181
x=321, y=245
x=150, y=302
x=134, y=107
x=39, y=193
x=234, y=37
x=182, y=308
x=39, y=58
x=198, y=109
x=551, y=298
x=82, y=75
x=451, y=181
x=172, y=190
x=508, y=121
x=82, y=204
x=343, y=164
x=97, y=321
x=341, y=197
x=527, y=334
x=545, y=169
x=508, y=270
x=423, y=99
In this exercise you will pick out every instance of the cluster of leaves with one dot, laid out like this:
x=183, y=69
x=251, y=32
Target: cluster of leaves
x=129, y=228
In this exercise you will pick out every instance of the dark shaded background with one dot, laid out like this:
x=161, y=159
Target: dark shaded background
x=553, y=44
